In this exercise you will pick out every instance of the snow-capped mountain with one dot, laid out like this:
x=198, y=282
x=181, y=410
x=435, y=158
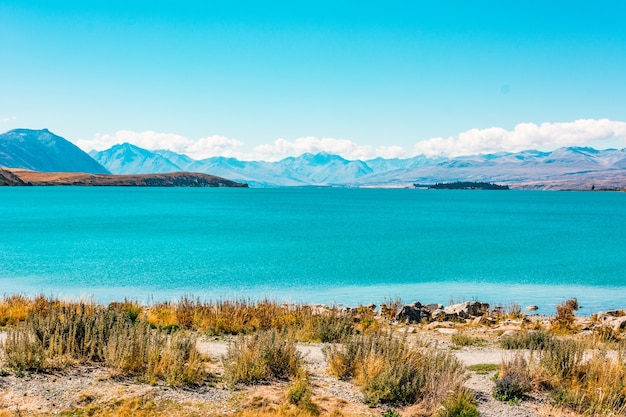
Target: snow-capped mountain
x=42, y=150
x=572, y=167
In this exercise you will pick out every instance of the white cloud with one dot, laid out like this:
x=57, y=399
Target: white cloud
x=546, y=136
x=7, y=119
x=600, y=133
x=197, y=149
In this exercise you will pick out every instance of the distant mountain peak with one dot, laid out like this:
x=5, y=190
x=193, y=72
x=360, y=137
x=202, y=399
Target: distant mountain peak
x=42, y=150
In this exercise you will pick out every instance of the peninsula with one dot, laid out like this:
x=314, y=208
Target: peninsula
x=24, y=177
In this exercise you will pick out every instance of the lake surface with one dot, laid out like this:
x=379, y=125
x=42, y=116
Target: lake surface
x=345, y=246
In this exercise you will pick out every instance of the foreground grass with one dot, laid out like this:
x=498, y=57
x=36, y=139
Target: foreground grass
x=390, y=370
x=156, y=344
x=262, y=357
x=595, y=386
x=62, y=335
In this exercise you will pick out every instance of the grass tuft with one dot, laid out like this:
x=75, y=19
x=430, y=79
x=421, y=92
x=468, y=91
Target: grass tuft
x=260, y=357
x=460, y=404
x=391, y=371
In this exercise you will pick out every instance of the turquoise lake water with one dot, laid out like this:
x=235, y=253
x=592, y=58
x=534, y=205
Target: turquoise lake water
x=345, y=246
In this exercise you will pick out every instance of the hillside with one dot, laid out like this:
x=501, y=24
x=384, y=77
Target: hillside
x=42, y=150
x=17, y=177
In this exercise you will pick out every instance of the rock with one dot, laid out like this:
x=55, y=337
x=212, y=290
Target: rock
x=446, y=331
x=482, y=320
x=413, y=313
x=615, y=319
x=438, y=315
x=532, y=308
x=619, y=323
x=466, y=310
x=433, y=307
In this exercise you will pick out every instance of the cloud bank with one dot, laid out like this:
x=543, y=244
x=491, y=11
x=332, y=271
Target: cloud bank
x=546, y=136
x=600, y=133
x=198, y=149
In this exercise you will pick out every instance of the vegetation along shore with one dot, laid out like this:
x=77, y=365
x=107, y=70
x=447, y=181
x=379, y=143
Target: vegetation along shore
x=245, y=358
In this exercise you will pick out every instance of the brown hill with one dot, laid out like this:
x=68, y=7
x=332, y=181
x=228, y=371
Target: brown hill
x=176, y=179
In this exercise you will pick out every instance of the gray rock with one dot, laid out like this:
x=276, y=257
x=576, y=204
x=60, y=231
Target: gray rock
x=466, y=310
x=438, y=315
x=532, y=308
x=413, y=313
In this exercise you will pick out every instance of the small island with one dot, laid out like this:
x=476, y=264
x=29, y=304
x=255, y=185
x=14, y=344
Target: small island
x=462, y=185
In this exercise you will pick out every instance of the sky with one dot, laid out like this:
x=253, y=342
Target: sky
x=270, y=79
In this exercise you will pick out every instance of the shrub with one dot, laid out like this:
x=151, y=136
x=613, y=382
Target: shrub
x=262, y=356
x=332, y=327
x=510, y=388
x=23, y=351
x=299, y=393
x=513, y=380
x=564, y=321
x=460, y=404
x=597, y=388
x=528, y=339
x=560, y=358
x=391, y=371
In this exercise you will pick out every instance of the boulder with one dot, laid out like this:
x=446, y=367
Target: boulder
x=619, y=323
x=413, y=313
x=438, y=315
x=532, y=308
x=466, y=310
x=616, y=319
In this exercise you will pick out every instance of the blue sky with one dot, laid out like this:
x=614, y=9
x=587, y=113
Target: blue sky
x=269, y=79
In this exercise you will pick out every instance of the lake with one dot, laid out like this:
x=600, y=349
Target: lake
x=315, y=245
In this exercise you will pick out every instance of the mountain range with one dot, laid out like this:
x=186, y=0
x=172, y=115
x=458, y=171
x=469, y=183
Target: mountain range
x=563, y=168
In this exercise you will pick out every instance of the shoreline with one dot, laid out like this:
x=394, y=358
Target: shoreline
x=593, y=299
x=483, y=341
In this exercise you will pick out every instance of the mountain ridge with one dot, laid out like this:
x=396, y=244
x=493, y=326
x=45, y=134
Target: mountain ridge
x=564, y=168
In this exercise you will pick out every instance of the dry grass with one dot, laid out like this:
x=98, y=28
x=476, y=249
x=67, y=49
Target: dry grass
x=391, y=371
x=564, y=322
x=261, y=357
x=67, y=334
x=222, y=317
